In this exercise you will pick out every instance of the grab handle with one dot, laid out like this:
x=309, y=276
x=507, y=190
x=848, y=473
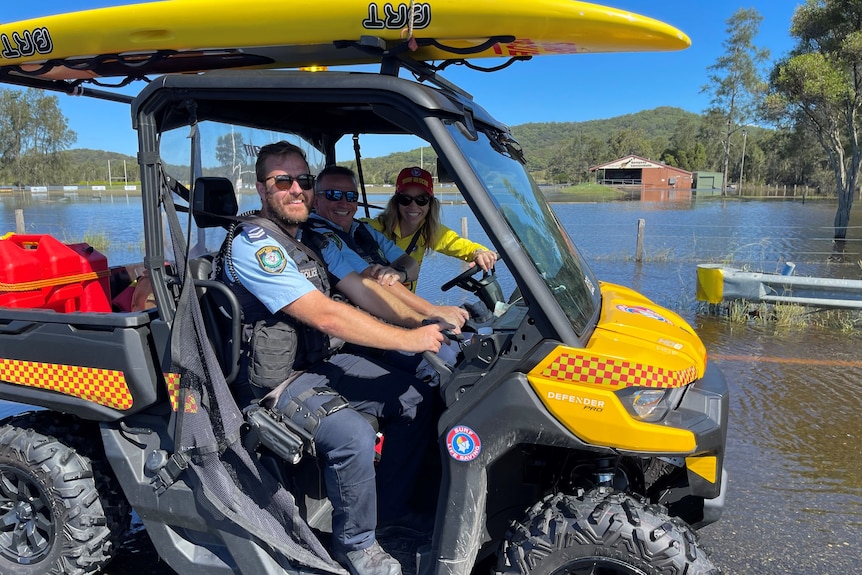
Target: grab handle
x=16, y=327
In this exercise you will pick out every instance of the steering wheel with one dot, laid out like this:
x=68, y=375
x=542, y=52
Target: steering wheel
x=462, y=280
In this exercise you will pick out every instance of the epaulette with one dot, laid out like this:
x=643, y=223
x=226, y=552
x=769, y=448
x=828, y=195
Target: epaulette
x=255, y=233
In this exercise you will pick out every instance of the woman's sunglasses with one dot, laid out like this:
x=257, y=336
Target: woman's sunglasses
x=336, y=195
x=284, y=181
x=406, y=200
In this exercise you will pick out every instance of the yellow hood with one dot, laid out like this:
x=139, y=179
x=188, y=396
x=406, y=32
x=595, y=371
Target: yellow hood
x=636, y=343
x=634, y=328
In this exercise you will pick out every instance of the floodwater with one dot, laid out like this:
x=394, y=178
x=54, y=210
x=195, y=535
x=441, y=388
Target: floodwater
x=794, y=502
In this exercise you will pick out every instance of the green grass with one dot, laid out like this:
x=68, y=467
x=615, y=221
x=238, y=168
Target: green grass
x=591, y=190
x=785, y=316
x=100, y=241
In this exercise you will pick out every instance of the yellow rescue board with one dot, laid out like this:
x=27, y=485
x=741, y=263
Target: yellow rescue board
x=195, y=35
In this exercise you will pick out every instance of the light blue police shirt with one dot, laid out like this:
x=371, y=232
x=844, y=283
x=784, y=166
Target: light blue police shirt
x=264, y=268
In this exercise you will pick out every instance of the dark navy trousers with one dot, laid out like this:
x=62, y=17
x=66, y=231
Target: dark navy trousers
x=404, y=408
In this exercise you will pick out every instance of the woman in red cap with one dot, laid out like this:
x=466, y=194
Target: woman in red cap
x=412, y=220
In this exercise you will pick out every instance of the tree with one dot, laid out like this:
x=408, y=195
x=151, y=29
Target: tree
x=629, y=141
x=33, y=132
x=230, y=154
x=684, y=149
x=819, y=87
x=736, y=81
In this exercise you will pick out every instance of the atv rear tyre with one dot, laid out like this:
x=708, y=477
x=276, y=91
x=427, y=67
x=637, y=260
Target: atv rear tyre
x=601, y=533
x=52, y=518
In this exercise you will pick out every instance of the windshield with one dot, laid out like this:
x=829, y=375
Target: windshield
x=496, y=160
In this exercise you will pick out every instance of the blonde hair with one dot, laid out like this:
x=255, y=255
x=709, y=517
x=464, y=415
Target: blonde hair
x=429, y=231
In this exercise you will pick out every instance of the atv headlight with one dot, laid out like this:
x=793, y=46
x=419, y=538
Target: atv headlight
x=644, y=403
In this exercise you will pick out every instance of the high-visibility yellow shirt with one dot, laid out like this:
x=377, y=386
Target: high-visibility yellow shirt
x=449, y=243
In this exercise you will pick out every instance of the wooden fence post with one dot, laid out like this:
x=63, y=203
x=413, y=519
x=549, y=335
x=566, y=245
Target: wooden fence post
x=19, y=221
x=639, y=250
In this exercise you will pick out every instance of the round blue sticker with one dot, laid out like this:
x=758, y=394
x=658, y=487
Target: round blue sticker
x=463, y=443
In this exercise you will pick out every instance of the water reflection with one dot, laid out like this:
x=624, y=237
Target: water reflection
x=799, y=399
x=116, y=218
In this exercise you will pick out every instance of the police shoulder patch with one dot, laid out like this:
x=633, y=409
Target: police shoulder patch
x=333, y=237
x=271, y=259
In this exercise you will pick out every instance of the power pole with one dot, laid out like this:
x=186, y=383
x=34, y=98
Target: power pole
x=742, y=163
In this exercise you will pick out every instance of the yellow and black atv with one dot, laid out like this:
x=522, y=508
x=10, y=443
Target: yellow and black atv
x=583, y=428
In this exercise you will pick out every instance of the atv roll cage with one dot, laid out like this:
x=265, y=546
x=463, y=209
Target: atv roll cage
x=324, y=108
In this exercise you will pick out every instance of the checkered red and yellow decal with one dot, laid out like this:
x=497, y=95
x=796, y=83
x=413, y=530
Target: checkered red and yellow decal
x=102, y=386
x=173, y=382
x=580, y=367
x=636, y=343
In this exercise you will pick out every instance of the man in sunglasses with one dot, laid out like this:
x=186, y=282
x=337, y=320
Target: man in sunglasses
x=291, y=359
x=335, y=203
x=368, y=251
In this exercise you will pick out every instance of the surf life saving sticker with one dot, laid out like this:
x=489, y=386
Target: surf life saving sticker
x=463, y=443
x=271, y=259
x=645, y=311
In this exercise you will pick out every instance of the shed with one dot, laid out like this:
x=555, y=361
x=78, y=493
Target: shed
x=655, y=180
x=707, y=183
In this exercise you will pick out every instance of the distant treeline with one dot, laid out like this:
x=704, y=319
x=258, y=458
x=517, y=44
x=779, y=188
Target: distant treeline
x=556, y=152
x=564, y=152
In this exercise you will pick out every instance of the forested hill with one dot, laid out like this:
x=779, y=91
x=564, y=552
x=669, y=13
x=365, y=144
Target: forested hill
x=554, y=150
x=538, y=138
x=91, y=166
x=564, y=151
x=647, y=133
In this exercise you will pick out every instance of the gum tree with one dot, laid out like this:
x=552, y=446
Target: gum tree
x=33, y=132
x=819, y=88
x=736, y=84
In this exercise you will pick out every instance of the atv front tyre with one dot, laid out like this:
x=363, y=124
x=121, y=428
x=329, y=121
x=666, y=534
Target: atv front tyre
x=601, y=533
x=52, y=518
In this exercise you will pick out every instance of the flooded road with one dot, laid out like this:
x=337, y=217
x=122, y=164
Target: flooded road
x=794, y=503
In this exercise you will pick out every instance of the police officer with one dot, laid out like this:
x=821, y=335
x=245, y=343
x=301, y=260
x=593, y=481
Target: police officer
x=335, y=204
x=367, y=250
x=292, y=326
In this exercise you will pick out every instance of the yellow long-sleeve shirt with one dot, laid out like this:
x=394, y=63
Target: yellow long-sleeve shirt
x=450, y=244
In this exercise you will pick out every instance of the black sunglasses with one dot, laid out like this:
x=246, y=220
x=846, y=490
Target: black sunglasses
x=285, y=181
x=406, y=200
x=336, y=195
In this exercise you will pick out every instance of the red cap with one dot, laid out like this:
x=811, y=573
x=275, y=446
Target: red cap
x=415, y=176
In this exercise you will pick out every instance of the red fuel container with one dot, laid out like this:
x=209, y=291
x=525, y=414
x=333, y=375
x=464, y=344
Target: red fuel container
x=39, y=271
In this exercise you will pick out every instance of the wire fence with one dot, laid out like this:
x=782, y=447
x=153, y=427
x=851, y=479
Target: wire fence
x=755, y=236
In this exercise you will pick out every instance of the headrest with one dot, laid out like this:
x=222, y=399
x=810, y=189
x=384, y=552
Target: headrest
x=213, y=199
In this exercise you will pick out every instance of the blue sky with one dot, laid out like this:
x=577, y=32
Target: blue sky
x=545, y=89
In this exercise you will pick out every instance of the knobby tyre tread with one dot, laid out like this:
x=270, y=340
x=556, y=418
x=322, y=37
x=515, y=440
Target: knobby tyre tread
x=83, y=507
x=602, y=532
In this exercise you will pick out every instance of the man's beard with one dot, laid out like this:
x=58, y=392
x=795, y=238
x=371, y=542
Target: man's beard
x=275, y=211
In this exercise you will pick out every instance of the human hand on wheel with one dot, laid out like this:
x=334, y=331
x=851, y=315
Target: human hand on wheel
x=485, y=259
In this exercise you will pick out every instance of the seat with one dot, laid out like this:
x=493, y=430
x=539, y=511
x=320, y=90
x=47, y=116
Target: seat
x=213, y=202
